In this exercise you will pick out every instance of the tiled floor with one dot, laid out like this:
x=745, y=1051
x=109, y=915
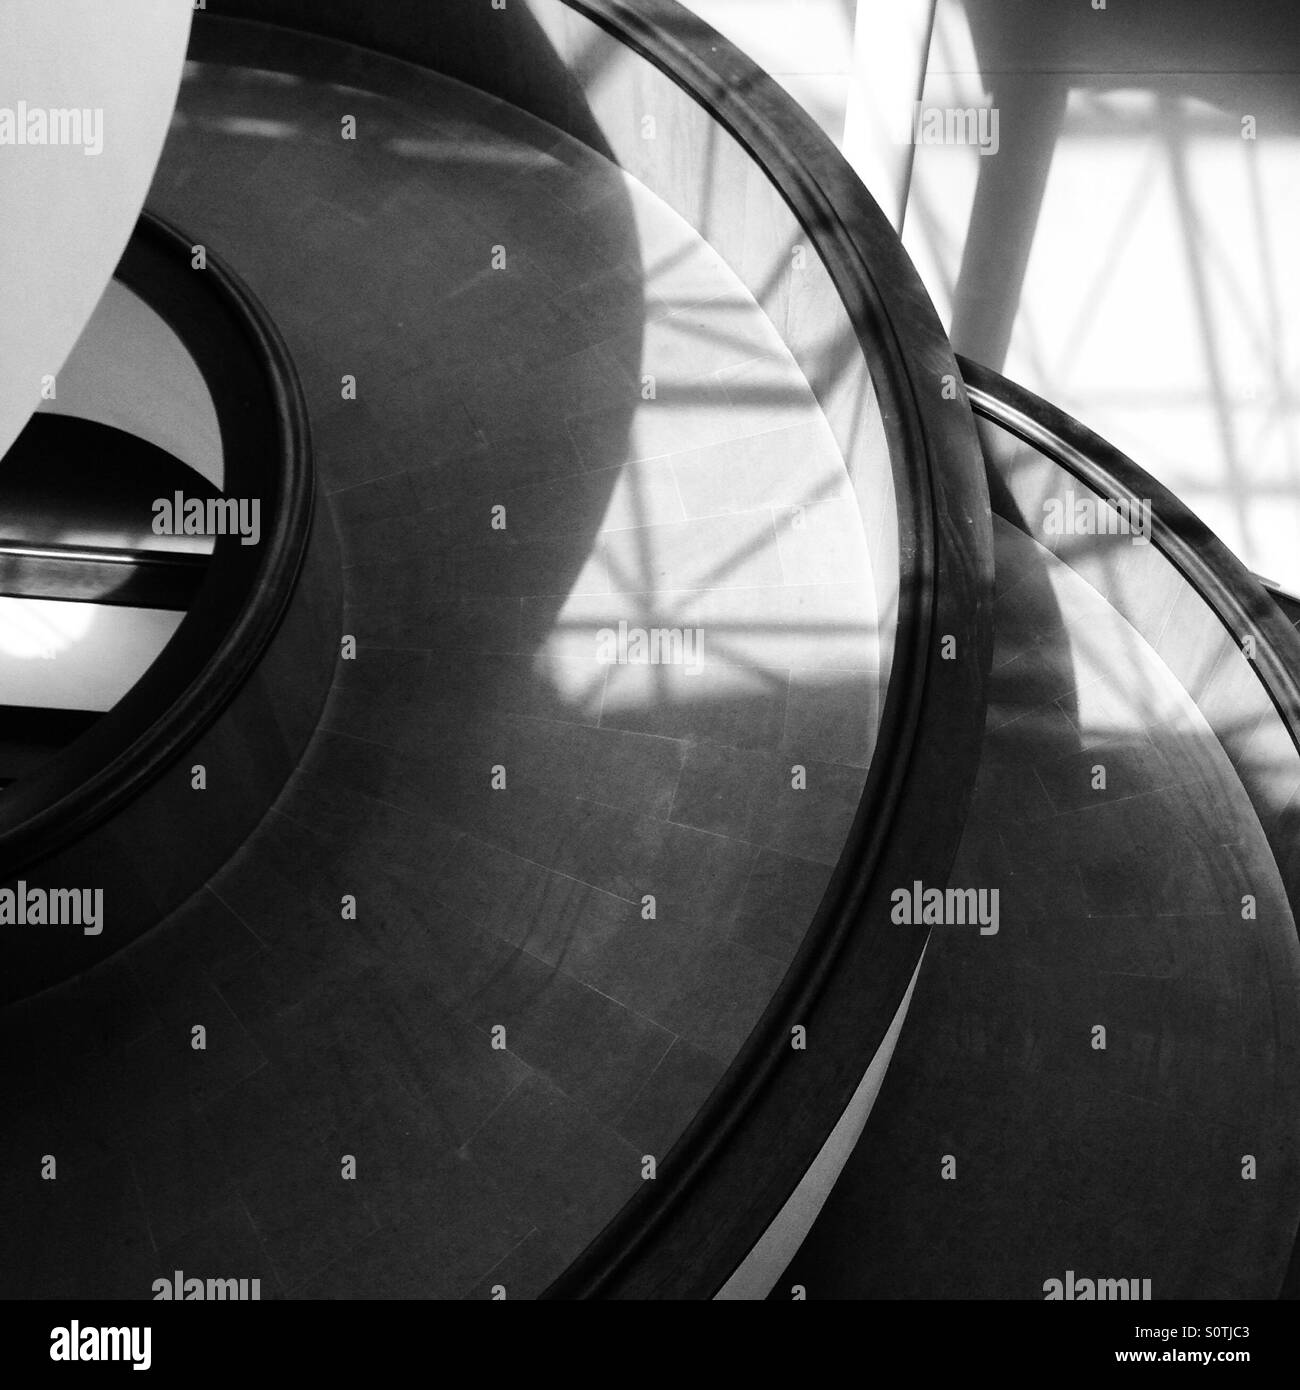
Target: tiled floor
x=1121, y=907
x=477, y=908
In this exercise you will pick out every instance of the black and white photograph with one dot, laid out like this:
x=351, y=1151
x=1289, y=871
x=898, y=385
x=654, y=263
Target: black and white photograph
x=649, y=651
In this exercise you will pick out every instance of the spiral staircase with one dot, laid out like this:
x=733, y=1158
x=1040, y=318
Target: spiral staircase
x=451, y=948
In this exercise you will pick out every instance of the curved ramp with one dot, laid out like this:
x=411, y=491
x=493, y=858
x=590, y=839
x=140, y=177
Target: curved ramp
x=1113, y=1075
x=578, y=878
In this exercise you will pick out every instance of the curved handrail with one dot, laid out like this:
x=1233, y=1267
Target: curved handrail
x=49, y=479
x=246, y=589
x=1284, y=598
x=733, y=1168
x=1239, y=599
x=166, y=579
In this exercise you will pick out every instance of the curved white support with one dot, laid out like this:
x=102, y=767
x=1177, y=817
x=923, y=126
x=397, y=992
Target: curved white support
x=130, y=369
x=86, y=97
x=779, y=1244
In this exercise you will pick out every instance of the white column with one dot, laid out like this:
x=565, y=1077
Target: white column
x=71, y=186
x=890, y=51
